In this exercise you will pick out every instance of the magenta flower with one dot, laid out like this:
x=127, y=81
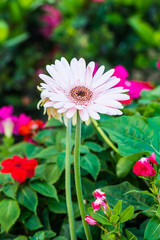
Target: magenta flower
x=50, y=19
x=90, y=220
x=135, y=87
x=99, y=194
x=144, y=168
x=158, y=64
x=97, y=203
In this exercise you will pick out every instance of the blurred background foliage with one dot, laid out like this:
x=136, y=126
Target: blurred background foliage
x=34, y=33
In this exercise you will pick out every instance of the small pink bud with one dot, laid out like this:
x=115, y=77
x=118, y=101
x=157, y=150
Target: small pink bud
x=143, y=168
x=99, y=194
x=90, y=220
x=96, y=205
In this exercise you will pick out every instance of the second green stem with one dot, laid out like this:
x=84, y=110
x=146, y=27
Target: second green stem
x=78, y=177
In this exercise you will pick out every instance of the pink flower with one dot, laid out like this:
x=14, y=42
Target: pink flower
x=50, y=19
x=95, y=69
x=20, y=121
x=90, y=220
x=97, y=203
x=99, y=194
x=72, y=87
x=158, y=64
x=7, y=121
x=144, y=168
x=152, y=158
x=135, y=87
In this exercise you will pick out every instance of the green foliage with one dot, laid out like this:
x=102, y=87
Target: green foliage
x=9, y=213
x=153, y=229
x=28, y=198
x=131, y=138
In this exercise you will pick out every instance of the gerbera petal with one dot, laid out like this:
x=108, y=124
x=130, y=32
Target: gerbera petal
x=103, y=78
x=93, y=114
x=99, y=73
x=84, y=115
x=70, y=112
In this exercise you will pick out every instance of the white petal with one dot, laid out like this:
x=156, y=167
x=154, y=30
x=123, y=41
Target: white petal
x=103, y=78
x=81, y=70
x=108, y=102
x=48, y=104
x=70, y=112
x=93, y=114
x=59, y=105
x=99, y=73
x=84, y=115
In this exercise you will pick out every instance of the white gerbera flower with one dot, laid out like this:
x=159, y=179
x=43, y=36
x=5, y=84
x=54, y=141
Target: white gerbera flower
x=72, y=87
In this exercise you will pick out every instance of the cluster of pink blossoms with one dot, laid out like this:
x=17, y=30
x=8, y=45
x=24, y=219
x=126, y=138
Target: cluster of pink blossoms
x=18, y=125
x=97, y=204
x=144, y=168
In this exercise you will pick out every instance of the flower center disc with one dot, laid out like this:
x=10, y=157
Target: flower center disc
x=81, y=94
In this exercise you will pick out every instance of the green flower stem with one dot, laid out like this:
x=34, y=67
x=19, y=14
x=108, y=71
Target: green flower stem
x=78, y=177
x=103, y=135
x=68, y=182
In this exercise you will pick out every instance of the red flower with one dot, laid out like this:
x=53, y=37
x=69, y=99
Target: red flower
x=144, y=168
x=31, y=128
x=20, y=168
x=158, y=64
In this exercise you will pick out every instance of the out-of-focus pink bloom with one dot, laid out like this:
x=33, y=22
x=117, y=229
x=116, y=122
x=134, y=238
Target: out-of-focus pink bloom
x=143, y=168
x=96, y=205
x=121, y=73
x=152, y=158
x=7, y=121
x=6, y=112
x=135, y=87
x=99, y=194
x=90, y=220
x=50, y=19
x=158, y=64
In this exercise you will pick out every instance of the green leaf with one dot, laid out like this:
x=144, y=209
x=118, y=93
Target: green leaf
x=9, y=213
x=28, y=198
x=60, y=238
x=141, y=192
x=152, y=231
x=32, y=150
x=117, y=192
x=57, y=207
x=51, y=173
x=139, y=135
x=46, y=234
x=53, y=122
x=126, y=214
x=99, y=217
x=84, y=149
x=91, y=164
x=117, y=209
x=144, y=30
x=130, y=236
x=47, y=152
x=21, y=238
x=94, y=146
x=114, y=219
x=33, y=223
x=10, y=189
x=44, y=189
x=158, y=212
